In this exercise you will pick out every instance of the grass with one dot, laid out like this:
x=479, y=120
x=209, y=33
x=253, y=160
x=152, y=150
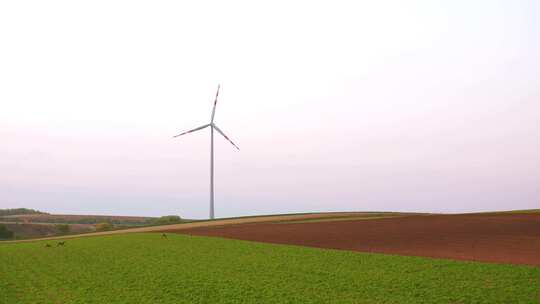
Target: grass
x=336, y=219
x=366, y=216
x=525, y=211
x=322, y=214
x=144, y=268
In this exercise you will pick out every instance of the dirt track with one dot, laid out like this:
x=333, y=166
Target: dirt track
x=499, y=238
x=218, y=222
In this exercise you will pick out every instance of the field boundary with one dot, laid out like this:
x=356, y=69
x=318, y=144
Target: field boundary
x=200, y=224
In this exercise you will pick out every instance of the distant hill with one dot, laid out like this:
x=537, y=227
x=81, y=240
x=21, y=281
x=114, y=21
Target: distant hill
x=19, y=211
x=28, y=223
x=36, y=230
x=76, y=219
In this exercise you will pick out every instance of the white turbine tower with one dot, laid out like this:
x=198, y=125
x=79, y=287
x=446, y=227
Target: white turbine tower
x=212, y=126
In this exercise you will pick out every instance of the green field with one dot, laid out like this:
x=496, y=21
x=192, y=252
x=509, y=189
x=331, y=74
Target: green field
x=144, y=268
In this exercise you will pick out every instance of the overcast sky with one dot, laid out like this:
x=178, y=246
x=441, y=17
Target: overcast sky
x=362, y=105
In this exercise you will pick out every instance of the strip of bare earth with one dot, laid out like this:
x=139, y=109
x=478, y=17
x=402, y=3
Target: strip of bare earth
x=200, y=224
x=512, y=238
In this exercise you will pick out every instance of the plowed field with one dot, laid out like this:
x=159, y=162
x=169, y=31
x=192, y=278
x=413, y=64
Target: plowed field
x=500, y=238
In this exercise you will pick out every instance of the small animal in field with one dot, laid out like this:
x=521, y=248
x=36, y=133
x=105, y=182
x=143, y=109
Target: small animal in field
x=60, y=244
x=48, y=245
x=163, y=236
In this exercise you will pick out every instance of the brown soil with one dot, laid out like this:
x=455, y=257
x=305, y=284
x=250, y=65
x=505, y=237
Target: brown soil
x=500, y=238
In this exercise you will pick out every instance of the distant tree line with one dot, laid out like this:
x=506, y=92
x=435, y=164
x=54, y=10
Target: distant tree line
x=5, y=234
x=165, y=220
x=91, y=220
x=62, y=228
x=85, y=220
x=19, y=211
x=104, y=226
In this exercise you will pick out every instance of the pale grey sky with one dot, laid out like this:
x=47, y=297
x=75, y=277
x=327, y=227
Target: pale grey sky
x=360, y=105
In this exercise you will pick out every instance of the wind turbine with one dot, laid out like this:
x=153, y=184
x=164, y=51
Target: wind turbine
x=213, y=127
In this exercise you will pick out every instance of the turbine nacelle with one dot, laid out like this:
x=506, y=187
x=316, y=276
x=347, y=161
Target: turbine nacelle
x=211, y=124
x=215, y=127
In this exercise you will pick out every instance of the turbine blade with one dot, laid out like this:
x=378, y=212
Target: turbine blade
x=196, y=129
x=215, y=103
x=227, y=138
